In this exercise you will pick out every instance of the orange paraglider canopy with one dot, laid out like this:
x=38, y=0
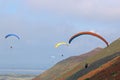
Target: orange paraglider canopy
x=88, y=33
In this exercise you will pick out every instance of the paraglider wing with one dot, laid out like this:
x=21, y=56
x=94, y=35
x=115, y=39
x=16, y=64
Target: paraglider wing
x=61, y=43
x=12, y=35
x=88, y=33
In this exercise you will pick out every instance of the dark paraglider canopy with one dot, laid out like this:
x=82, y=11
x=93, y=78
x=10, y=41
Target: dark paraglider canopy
x=8, y=35
x=88, y=33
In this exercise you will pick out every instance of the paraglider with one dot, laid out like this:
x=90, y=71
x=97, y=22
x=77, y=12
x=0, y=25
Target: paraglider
x=10, y=46
x=88, y=33
x=86, y=65
x=61, y=43
x=10, y=35
x=62, y=55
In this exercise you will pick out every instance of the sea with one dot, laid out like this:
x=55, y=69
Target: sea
x=19, y=74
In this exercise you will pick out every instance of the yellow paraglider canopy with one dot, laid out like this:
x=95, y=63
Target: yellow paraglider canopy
x=61, y=43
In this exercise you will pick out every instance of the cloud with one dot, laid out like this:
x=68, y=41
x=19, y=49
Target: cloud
x=87, y=8
x=40, y=26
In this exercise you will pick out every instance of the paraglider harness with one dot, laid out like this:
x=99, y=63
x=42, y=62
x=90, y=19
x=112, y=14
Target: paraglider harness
x=86, y=65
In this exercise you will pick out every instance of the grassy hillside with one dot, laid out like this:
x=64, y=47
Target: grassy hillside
x=108, y=71
x=93, y=66
x=105, y=54
x=66, y=66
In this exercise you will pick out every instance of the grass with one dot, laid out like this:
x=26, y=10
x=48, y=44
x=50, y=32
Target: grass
x=65, y=72
x=114, y=74
x=113, y=48
x=87, y=79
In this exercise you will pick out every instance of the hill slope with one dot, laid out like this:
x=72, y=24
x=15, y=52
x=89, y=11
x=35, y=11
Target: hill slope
x=99, y=59
x=70, y=69
x=65, y=65
x=108, y=71
x=93, y=66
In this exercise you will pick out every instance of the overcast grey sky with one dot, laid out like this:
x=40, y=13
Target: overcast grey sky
x=42, y=23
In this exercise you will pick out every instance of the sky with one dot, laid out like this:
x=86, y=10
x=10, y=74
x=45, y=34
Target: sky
x=41, y=24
